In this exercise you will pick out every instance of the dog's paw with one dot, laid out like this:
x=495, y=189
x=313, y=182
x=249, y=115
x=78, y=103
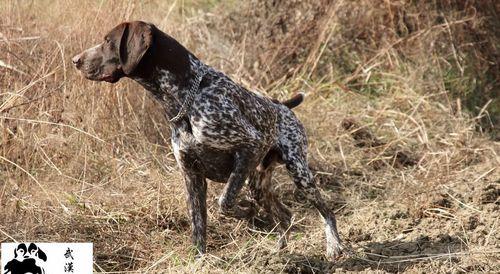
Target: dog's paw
x=334, y=252
x=282, y=242
x=199, y=256
x=244, y=210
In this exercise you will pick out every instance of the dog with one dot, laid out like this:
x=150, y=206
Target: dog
x=219, y=130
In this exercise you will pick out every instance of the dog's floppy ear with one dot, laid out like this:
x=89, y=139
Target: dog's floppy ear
x=136, y=39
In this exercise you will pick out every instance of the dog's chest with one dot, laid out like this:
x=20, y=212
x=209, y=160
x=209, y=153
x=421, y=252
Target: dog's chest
x=214, y=163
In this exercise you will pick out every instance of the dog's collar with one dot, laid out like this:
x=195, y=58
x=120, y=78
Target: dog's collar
x=190, y=96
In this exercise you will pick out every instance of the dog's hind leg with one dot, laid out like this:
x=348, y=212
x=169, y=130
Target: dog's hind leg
x=293, y=148
x=303, y=179
x=260, y=184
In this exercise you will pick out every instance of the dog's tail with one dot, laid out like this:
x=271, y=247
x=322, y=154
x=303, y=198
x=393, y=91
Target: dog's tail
x=296, y=100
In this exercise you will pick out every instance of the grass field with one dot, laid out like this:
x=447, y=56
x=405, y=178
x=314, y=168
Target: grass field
x=402, y=113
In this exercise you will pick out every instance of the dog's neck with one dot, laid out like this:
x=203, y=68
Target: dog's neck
x=168, y=72
x=169, y=89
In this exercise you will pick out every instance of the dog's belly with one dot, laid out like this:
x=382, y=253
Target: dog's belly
x=216, y=164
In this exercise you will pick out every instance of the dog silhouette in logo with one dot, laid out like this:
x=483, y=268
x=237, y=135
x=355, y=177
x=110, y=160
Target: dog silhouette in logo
x=26, y=260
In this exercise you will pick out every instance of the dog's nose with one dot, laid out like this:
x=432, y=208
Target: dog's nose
x=77, y=60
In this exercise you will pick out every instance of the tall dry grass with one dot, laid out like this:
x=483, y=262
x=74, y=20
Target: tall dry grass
x=86, y=161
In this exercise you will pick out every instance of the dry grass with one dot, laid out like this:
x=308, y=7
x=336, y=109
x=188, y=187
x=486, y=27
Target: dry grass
x=91, y=162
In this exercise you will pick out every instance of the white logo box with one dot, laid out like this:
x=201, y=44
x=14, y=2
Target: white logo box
x=61, y=258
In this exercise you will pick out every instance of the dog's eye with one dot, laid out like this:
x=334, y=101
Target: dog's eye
x=107, y=40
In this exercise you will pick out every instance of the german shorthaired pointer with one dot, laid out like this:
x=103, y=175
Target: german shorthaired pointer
x=220, y=130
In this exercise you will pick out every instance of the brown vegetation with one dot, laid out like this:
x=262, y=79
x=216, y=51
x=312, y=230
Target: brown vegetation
x=401, y=108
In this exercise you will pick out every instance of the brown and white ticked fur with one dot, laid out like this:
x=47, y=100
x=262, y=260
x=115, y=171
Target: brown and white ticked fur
x=228, y=134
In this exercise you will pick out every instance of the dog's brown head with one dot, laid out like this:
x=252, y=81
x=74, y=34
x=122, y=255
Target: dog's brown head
x=119, y=55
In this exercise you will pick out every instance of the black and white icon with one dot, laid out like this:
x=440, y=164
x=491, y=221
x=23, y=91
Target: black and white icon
x=46, y=258
x=29, y=259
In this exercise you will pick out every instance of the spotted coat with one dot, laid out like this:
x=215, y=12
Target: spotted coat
x=228, y=134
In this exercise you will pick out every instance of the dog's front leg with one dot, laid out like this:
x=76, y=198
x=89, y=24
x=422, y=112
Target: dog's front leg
x=244, y=162
x=196, y=190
